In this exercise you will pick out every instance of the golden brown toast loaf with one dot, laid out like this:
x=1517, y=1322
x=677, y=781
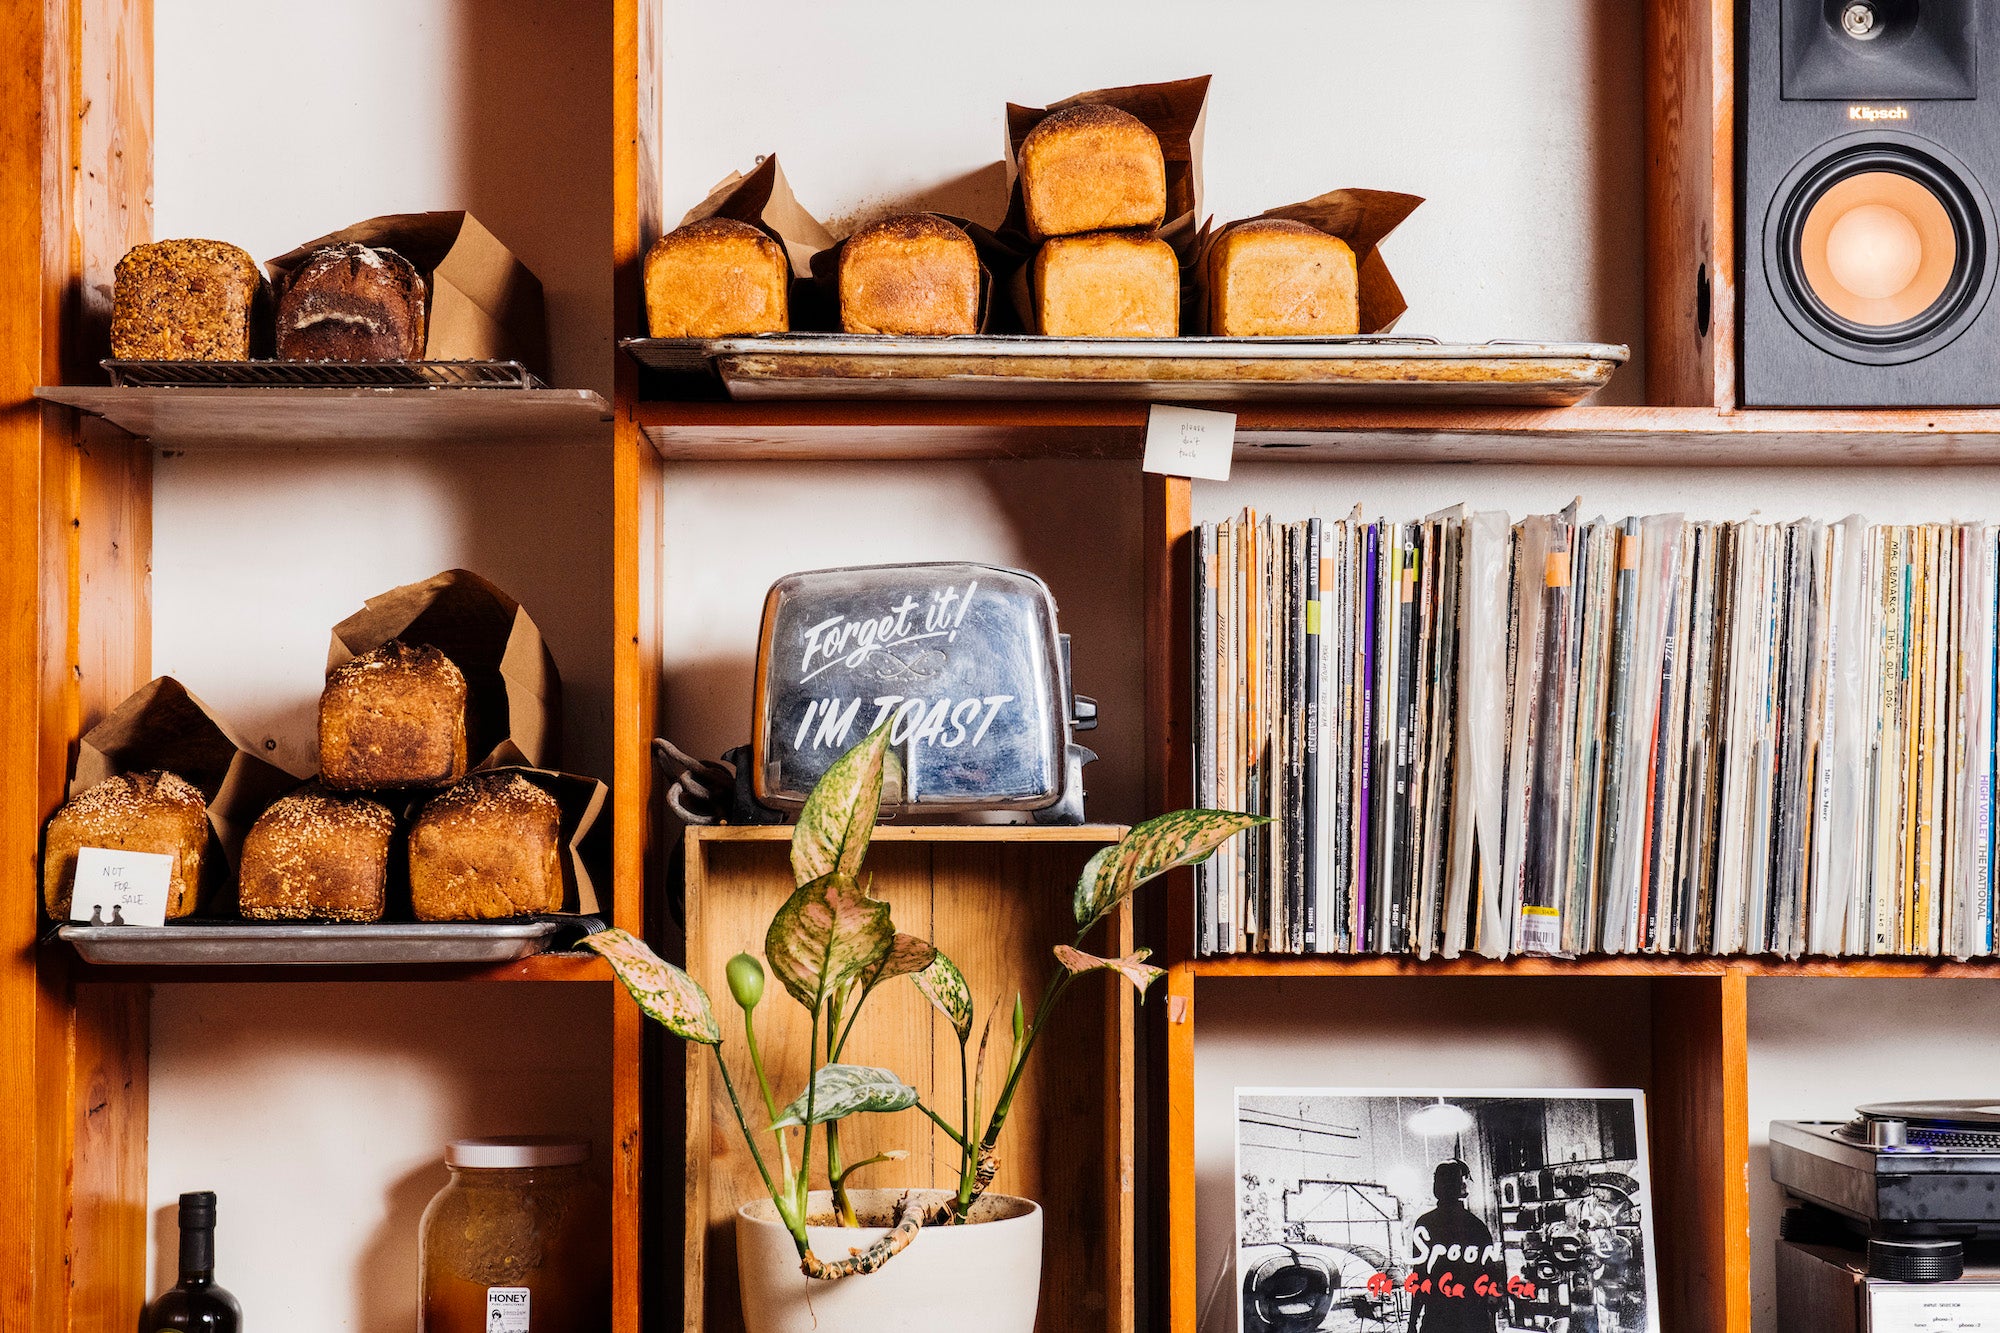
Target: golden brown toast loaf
x=910, y=274
x=1271, y=277
x=134, y=812
x=1107, y=285
x=316, y=855
x=1092, y=168
x=187, y=300
x=487, y=848
x=352, y=303
x=394, y=717
x=716, y=278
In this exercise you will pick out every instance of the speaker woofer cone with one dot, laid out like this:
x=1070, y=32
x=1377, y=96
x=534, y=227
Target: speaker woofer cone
x=1881, y=250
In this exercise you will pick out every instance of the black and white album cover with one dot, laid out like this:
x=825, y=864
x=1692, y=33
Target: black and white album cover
x=1366, y=1210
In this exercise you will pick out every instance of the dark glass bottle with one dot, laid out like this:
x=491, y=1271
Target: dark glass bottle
x=195, y=1302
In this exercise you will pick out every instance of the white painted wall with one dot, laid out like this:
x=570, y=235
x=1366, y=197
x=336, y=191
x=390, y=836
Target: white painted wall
x=319, y=1112
x=1520, y=123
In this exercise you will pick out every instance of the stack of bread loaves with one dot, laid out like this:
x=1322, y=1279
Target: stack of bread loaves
x=1094, y=188
x=392, y=730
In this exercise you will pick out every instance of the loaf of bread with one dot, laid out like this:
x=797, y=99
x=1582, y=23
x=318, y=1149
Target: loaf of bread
x=911, y=274
x=1092, y=168
x=488, y=847
x=716, y=278
x=394, y=717
x=316, y=855
x=132, y=812
x=352, y=303
x=185, y=301
x=1107, y=285
x=1271, y=277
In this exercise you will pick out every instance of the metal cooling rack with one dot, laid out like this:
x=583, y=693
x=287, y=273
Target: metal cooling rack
x=320, y=375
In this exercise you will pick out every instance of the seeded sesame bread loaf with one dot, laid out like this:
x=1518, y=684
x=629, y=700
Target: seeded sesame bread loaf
x=1271, y=277
x=391, y=718
x=1107, y=285
x=317, y=855
x=487, y=848
x=352, y=303
x=1092, y=168
x=716, y=278
x=913, y=273
x=132, y=812
x=186, y=300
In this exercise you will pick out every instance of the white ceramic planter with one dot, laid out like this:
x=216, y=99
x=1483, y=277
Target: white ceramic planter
x=983, y=1277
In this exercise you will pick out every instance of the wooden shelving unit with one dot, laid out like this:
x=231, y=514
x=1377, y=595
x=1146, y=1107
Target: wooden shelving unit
x=75, y=543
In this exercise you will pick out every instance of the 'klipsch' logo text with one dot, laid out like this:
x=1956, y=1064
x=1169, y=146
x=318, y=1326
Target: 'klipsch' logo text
x=1874, y=113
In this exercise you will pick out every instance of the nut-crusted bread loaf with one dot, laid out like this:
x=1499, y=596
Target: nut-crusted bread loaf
x=1271, y=277
x=316, y=855
x=912, y=274
x=716, y=278
x=189, y=300
x=1092, y=168
x=352, y=303
x=132, y=812
x=487, y=848
x=394, y=717
x=1107, y=285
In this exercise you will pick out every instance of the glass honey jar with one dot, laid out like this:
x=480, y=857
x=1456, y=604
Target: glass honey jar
x=518, y=1241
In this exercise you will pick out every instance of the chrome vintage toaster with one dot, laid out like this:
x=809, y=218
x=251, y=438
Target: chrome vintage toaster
x=963, y=662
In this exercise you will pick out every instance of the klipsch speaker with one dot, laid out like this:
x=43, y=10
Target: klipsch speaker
x=1870, y=138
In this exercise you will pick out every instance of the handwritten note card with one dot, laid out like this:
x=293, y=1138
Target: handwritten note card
x=1190, y=442
x=121, y=888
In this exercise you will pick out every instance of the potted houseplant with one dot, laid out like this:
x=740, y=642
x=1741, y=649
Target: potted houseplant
x=843, y=1258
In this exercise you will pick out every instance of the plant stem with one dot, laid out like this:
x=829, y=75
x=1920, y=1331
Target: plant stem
x=836, y=1180
x=803, y=1184
x=794, y=1221
x=770, y=1102
x=1051, y=993
x=944, y=1125
x=965, y=1161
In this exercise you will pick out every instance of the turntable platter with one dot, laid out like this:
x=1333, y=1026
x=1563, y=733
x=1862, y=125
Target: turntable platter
x=1966, y=1113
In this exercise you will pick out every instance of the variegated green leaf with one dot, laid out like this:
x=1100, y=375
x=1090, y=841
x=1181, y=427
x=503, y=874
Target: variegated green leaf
x=839, y=1091
x=907, y=954
x=663, y=992
x=1132, y=967
x=1183, y=838
x=944, y=986
x=839, y=816
x=828, y=934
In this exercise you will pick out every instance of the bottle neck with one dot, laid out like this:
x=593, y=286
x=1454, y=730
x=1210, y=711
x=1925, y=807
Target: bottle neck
x=197, y=1256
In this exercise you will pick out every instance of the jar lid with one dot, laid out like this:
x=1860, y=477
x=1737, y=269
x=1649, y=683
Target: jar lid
x=521, y=1150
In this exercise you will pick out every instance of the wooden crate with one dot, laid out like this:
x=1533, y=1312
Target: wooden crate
x=995, y=900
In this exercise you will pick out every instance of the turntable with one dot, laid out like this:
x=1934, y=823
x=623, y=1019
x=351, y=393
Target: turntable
x=1894, y=1220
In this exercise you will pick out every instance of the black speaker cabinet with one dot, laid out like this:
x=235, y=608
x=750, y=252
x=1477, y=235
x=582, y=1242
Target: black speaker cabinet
x=1870, y=150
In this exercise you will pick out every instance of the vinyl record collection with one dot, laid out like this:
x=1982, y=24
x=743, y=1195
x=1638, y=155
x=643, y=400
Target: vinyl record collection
x=1653, y=735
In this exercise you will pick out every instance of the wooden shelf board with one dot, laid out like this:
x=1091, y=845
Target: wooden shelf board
x=536, y=967
x=1591, y=966
x=1575, y=436
x=960, y=833
x=259, y=418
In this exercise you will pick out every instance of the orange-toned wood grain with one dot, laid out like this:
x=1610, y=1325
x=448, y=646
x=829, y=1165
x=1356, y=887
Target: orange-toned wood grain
x=994, y=900
x=1671, y=436
x=641, y=1094
x=1690, y=201
x=75, y=176
x=1688, y=1107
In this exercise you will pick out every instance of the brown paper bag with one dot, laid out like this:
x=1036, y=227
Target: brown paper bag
x=514, y=703
x=1174, y=111
x=764, y=199
x=1362, y=218
x=162, y=726
x=585, y=846
x=484, y=303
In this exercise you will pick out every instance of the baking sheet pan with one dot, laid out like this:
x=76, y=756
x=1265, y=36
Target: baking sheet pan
x=1362, y=369
x=251, y=943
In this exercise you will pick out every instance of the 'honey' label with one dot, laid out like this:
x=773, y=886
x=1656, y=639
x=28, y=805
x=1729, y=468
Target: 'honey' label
x=506, y=1310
